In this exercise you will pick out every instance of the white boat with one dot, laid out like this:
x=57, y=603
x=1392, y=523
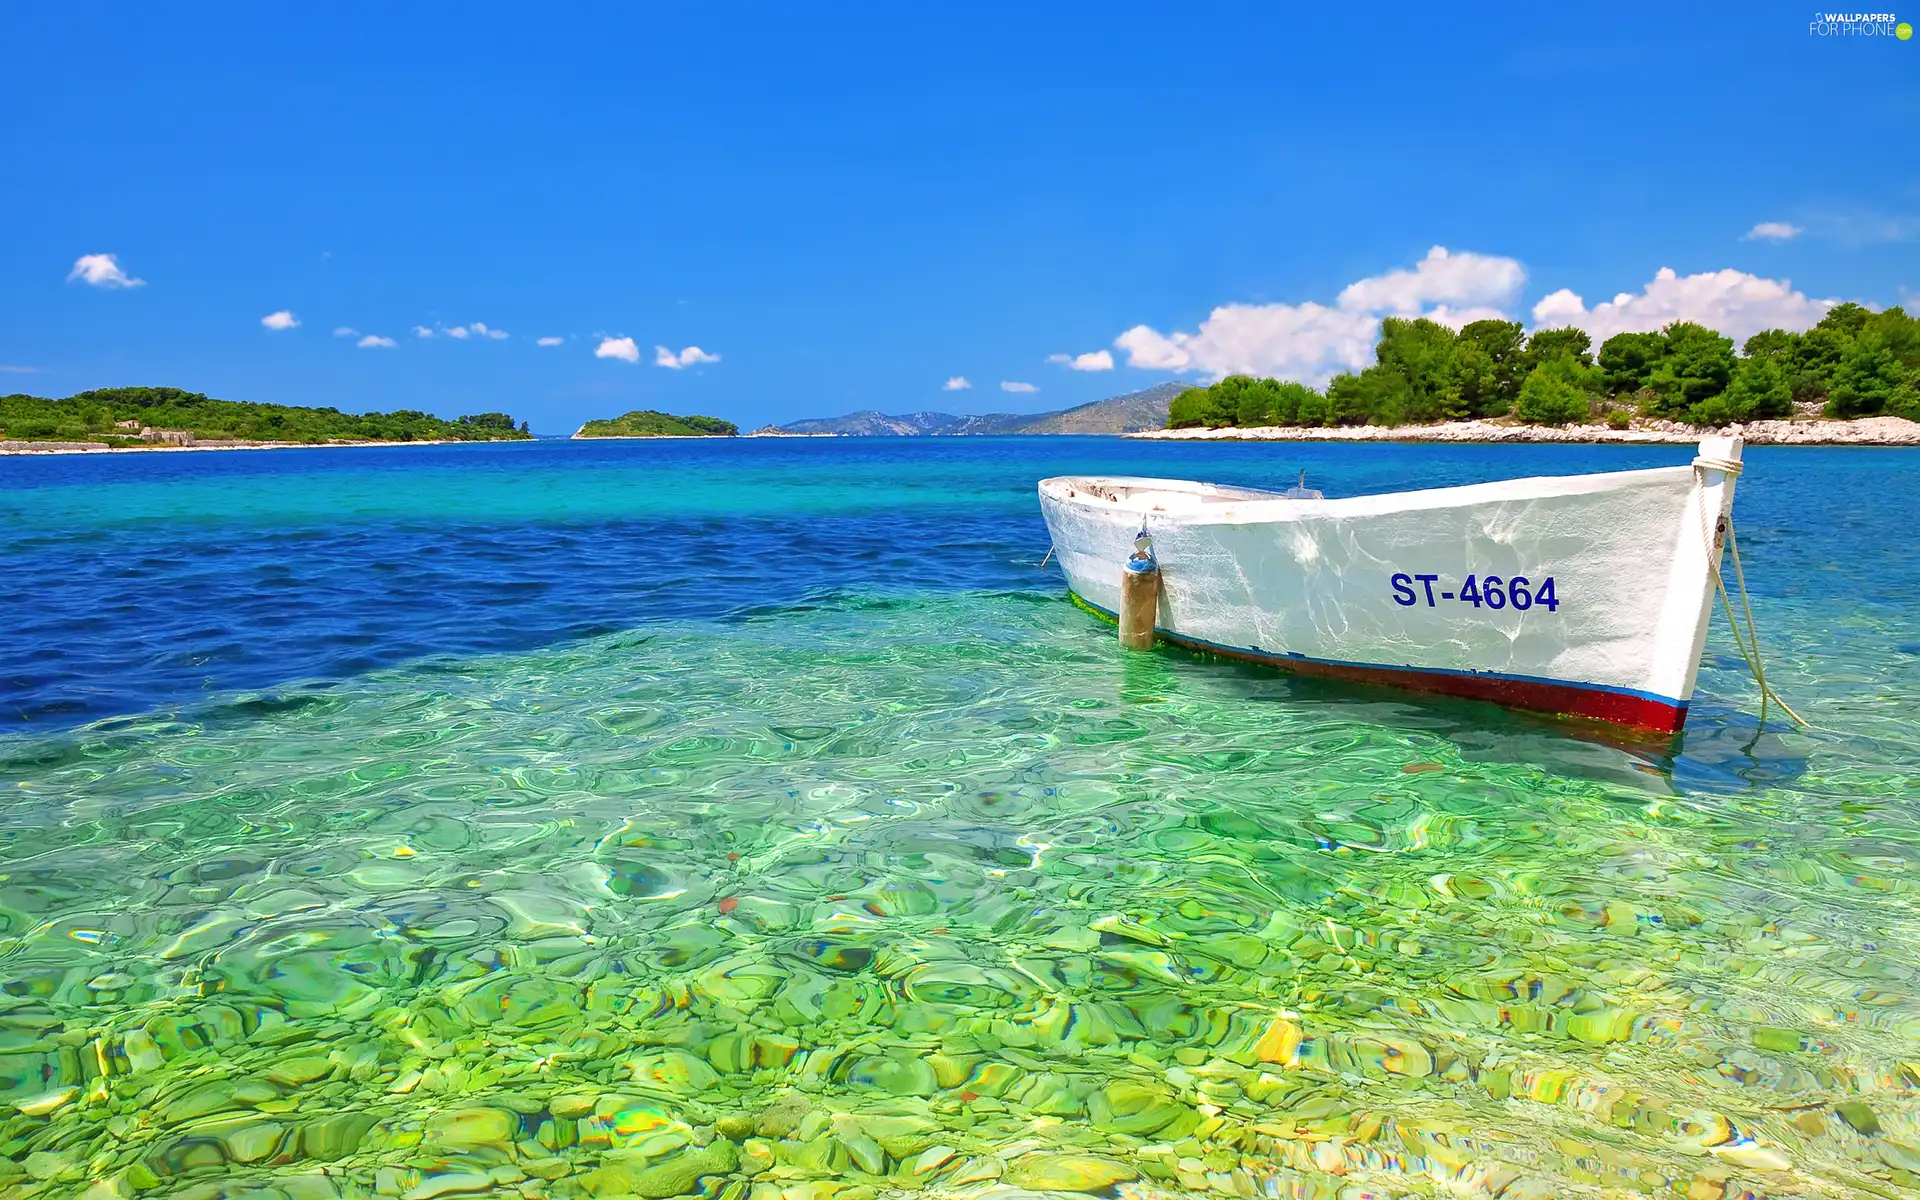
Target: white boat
x=1581, y=595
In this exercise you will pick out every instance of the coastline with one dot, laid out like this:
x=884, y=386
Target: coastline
x=12, y=447
x=652, y=437
x=1863, y=431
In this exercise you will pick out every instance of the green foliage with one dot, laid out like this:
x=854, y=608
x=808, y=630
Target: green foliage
x=1489, y=367
x=1848, y=320
x=1419, y=361
x=1865, y=380
x=1696, y=364
x=492, y=420
x=647, y=422
x=95, y=416
x=1548, y=344
x=1856, y=361
x=1189, y=409
x=1760, y=390
x=1559, y=390
x=1775, y=344
x=1629, y=359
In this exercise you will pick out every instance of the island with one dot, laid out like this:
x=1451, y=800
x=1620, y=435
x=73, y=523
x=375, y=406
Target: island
x=1853, y=378
x=165, y=418
x=1131, y=413
x=649, y=423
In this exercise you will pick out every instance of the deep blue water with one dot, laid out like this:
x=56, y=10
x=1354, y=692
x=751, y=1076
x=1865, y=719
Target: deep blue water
x=137, y=582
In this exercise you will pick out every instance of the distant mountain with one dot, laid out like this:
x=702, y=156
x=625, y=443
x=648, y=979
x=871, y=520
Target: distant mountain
x=1119, y=414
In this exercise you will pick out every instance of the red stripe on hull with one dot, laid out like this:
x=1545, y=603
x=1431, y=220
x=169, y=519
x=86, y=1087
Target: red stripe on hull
x=1558, y=699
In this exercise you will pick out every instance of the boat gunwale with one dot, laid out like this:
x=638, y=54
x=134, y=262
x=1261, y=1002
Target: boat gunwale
x=1280, y=508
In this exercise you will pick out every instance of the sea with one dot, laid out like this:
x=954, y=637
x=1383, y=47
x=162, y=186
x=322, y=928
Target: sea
x=758, y=819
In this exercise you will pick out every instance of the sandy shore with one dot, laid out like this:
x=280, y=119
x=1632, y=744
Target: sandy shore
x=97, y=448
x=1867, y=431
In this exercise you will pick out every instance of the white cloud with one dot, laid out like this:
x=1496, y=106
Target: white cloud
x=549, y=341
x=346, y=331
x=691, y=356
x=1442, y=276
x=458, y=331
x=421, y=331
x=1773, y=231
x=957, y=384
x=280, y=320
x=1733, y=302
x=17, y=369
x=1093, y=360
x=374, y=341
x=1011, y=385
x=102, y=271
x=1308, y=342
x=1312, y=342
x=485, y=332
x=620, y=348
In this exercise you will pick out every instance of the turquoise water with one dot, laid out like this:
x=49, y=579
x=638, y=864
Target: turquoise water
x=759, y=820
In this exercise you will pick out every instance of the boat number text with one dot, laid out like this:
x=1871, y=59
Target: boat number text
x=1492, y=591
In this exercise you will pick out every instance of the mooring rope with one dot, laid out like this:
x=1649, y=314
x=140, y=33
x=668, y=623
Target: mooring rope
x=1750, y=644
x=1753, y=634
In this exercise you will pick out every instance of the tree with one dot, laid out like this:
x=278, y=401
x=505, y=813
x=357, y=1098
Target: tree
x=1417, y=361
x=1899, y=332
x=1488, y=367
x=1316, y=408
x=1816, y=356
x=1866, y=380
x=1776, y=344
x=1847, y=320
x=1548, y=344
x=1291, y=399
x=1189, y=409
x=1258, y=403
x=1696, y=365
x=1629, y=359
x=1759, y=389
x=1348, y=400
x=491, y=420
x=1552, y=393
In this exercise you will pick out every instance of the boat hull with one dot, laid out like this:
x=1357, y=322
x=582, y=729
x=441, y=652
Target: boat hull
x=1584, y=596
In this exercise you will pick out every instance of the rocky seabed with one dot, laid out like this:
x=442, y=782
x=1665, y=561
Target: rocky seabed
x=555, y=1069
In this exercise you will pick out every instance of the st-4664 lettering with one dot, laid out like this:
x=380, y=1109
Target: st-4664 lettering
x=1481, y=591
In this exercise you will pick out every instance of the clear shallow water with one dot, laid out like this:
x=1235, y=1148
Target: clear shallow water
x=633, y=819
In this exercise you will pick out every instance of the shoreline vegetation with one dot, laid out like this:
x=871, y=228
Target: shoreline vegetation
x=1852, y=379
x=651, y=423
x=160, y=418
x=1862, y=431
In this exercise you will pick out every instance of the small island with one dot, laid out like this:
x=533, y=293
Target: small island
x=647, y=422
x=164, y=418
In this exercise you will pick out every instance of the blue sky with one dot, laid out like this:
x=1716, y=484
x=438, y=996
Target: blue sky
x=850, y=206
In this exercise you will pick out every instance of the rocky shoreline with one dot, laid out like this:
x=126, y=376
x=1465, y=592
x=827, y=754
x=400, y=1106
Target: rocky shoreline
x=12, y=447
x=1866, y=431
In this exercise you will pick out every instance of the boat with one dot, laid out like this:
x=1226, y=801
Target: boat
x=1584, y=596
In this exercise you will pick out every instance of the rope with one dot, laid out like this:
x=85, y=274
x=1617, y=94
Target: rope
x=1048, y=558
x=1753, y=634
x=1750, y=643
